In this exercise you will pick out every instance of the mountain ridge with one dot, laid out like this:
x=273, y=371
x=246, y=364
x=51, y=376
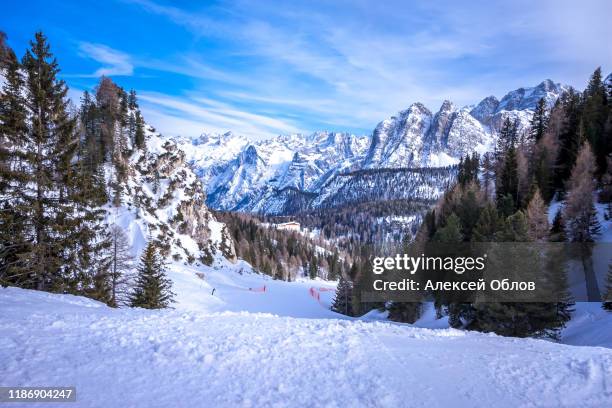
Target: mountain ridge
x=242, y=175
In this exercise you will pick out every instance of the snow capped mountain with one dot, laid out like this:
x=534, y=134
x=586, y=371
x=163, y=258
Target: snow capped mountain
x=240, y=175
x=418, y=138
x=287, y=173
x=527, y=98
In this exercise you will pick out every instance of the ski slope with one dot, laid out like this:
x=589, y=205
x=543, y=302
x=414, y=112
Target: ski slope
x=211, y=352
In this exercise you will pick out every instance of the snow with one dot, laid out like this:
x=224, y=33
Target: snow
x=136, y=357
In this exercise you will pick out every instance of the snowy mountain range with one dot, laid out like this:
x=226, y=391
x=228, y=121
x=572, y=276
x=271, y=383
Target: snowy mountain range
x=286, y=174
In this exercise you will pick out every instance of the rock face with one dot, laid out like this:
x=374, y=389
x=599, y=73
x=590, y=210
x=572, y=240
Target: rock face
x=291, y=173
x=165, y=200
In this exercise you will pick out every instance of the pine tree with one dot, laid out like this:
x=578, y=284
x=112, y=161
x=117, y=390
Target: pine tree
x=488, y=174
x=451, y=232
x=507, y=138
x=139, y=135
x=153, y=289
x=521, y=319
x=313, y=268
x=514, y=229
x=569, y=136
x=594, y=115
x=13, y=128
x=539, y=122
x=488, y=224
x=508, y=183
x=607, y=303
x=343, y=300
x=557, y=231
x=49, y=147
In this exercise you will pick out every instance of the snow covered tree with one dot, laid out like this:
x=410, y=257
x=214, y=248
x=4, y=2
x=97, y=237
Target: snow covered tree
x=152, y=289
x=51, y=200
x=121, y=262
x=13, y=128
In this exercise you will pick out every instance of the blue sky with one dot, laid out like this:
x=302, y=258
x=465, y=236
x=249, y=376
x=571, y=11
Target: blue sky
x=262, y=68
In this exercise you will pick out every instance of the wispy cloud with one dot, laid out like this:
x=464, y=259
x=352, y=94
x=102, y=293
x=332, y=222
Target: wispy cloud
x=114, y=62
x=204, y=114
x=267, y=67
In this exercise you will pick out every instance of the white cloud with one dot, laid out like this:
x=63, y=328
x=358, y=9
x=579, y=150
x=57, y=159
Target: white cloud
x=191, y=116
x=353, y=64
x=115, y=62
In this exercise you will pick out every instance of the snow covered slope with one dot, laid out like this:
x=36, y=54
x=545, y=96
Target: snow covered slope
x=136, y=357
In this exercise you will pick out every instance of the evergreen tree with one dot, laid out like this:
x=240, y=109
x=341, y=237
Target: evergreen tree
x=507, y=138
x=488, y=224
x=51, y=199
x=569, y=136
x=539, y=122
x=13, y=128
x=508, y=183
x=557, y=231
x=343, y=302
x=313, y=268
x=593, y=118
x=139, y=135
x=607, y=303
x=521, y=319
x=451, y=232
x=153, y=289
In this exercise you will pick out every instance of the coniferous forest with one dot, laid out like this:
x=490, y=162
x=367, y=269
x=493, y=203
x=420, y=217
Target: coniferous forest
x=60, y=166
x=504, y=196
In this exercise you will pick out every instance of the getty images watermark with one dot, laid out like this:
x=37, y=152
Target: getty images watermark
x=490, y=272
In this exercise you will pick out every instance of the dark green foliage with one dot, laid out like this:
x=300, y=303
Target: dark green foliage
x=508, y=182
x=468, y=169
x=451, y=232
x=607, y=303
x=281, y=253
x=488, y=224
x=570, y=138
x=59, y=225
x=343, y=300
x=557, y=230
x=593, y=119
x=539, y=122
x=152, y=289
